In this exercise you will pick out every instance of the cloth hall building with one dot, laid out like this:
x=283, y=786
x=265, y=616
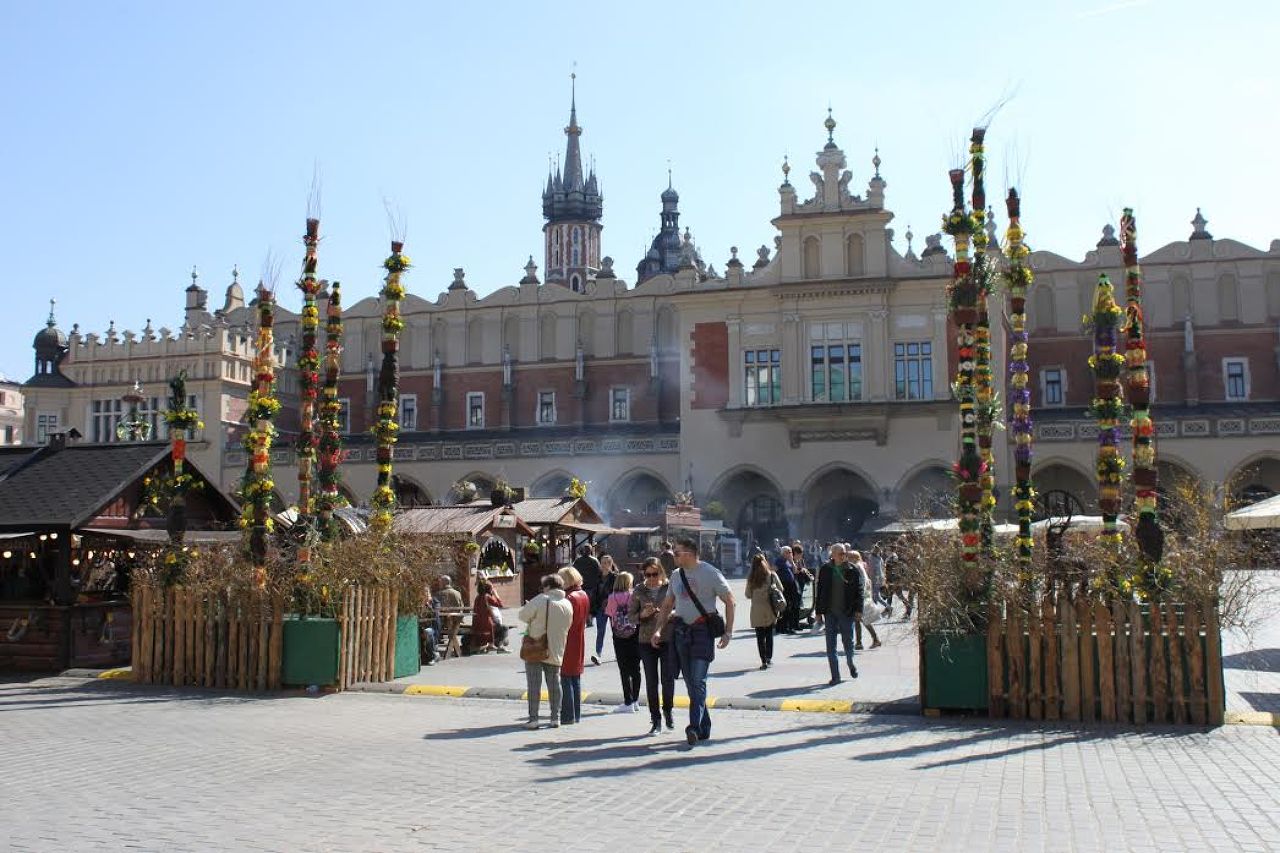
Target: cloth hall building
x=806, y=388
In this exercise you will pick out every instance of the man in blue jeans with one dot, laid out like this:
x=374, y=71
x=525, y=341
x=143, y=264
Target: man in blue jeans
x=838, y=598
x=688, y=629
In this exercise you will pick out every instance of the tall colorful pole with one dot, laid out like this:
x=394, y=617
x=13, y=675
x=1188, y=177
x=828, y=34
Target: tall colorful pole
x=179, y=417
x=1018, y=278
x=1108, y=405
x=257, y=486
x=1138, y=382
x=330, y=441
x=983, y=374
x=386, y=429
x=308, y=390
x=963, y=294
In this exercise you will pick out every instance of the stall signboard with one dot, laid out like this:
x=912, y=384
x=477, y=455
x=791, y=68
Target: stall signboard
x=683, y=517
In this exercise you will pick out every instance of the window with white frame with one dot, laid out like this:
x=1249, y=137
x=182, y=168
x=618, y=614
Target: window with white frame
x=475, y=410
x=546, y=412
x=344, y=415
x=1053, y=386
x=408, y=412
x=835, y=362
x=913, y=370
x=106, y=415
x=619, y=404
x=762, y=385
x=1235, y=378
x=46, y=424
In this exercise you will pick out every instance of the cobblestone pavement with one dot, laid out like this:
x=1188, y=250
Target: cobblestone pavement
x=89, y=765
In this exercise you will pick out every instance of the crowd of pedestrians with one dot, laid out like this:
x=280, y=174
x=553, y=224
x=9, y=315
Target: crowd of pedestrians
x=668, y=620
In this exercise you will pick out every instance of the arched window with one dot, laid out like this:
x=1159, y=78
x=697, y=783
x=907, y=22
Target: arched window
x=575, y=283
x=511, y=336
x=547, y=336
x=854, y=251
x=1228, y=298
x=440, y=338
x=666, y=330
x=475, y=341
x=1181, y=297
x=1043, y=315
x=812, y=259
x=577, y=247
x=626, y=344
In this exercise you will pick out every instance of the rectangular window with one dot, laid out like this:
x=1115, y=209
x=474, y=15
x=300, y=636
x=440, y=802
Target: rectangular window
x=913, y=370
x=619, y=404
x=1236, y=377
x=763, y=377
x=835, y=365
x=408, y=412
x=475, y=410
x=1051, y=386
x=546, y=413
x=46, y=424
x=106, y=417
x=344, y=415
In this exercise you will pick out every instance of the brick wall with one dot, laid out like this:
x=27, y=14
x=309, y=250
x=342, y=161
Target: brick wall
x=710, y=356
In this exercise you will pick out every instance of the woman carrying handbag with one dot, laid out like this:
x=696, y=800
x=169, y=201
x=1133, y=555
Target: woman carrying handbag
x=547, y=616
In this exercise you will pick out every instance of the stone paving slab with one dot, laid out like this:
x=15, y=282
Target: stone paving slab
x=95, y=765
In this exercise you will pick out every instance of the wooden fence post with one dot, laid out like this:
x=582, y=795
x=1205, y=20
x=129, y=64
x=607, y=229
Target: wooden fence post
x=1124, y=688
x=1138, y=662
x=1052, y=660
x=1177, y=682
x=995, y=665
x=1015, y=646
x=1070, y=659
x=1195, y=664
x=1216, y=710
x=1106, y=663
x=1035, y=671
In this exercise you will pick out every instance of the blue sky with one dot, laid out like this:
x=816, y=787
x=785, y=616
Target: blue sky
x=143, y=138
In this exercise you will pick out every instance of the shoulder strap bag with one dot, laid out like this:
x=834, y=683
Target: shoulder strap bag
x=713, y=620
x=534, y=649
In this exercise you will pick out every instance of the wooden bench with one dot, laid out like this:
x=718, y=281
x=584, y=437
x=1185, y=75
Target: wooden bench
x=456, y=624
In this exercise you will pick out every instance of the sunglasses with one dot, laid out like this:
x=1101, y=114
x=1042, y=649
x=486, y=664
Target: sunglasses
x=652, y=575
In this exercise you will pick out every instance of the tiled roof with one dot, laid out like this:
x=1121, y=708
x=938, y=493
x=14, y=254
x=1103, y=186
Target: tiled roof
x=56, y=487
x=467, y=519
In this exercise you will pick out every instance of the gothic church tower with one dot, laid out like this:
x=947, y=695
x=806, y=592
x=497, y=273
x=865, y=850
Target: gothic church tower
x=572, y=206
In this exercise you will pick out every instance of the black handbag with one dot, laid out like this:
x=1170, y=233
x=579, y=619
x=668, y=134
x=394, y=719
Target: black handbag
x=713, y=620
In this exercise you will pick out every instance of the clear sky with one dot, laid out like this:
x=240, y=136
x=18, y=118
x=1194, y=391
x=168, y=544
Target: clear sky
x=140, y=139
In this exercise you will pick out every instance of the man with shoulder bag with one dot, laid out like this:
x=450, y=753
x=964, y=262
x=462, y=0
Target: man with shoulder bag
x=689, y=615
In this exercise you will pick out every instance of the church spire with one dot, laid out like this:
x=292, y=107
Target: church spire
x=573, y=176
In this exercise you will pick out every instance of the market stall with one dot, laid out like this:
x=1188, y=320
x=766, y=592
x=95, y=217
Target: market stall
x=562, y=525
x=485, y=543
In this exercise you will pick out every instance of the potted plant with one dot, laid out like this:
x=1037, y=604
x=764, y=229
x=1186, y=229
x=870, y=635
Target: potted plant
x=501, y=494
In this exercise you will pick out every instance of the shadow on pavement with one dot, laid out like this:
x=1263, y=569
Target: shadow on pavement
x=1262, y=701
x=786, y=692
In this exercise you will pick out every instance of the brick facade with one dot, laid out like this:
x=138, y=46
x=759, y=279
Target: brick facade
x=709, y=360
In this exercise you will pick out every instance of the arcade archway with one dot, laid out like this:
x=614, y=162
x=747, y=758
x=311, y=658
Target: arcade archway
x=838, y=503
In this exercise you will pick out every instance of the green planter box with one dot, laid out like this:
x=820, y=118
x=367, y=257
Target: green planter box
x=954, y=674
x=407, y=648
x=310, y=651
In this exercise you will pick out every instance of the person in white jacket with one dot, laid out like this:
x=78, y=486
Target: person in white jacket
x=549, y=615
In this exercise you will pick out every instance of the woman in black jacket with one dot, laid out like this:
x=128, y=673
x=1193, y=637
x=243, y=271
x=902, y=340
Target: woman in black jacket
x=838, y=598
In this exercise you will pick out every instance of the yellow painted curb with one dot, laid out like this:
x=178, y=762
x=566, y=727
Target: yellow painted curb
x=544, y=696
x=711, y=701
x=116, y=674
x=1253, y=718
x=822, y=706
x=681, y=701
x=434, y=690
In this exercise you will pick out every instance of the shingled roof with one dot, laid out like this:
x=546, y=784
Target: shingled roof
x=65, y=487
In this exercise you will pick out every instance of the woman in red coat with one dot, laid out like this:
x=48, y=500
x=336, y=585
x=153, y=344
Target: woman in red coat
x=574, y=648
x=483, y=626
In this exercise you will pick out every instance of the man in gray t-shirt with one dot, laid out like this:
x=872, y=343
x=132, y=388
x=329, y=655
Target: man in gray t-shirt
x=688, y=631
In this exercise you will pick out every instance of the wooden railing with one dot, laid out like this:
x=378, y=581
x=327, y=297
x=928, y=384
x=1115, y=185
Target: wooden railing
x=367, y=636
x=184, y=638
x=1124, y=662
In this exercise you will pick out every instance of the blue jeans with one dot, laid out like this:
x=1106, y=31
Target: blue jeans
x=570, y=698
x=694, y=649
x=602, y=627
x=843, y=625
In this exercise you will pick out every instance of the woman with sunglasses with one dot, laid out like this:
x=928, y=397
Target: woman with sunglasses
x=659, y=662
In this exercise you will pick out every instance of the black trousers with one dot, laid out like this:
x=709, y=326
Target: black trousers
x=627, y=651
x=764, y=643
x=659, y=669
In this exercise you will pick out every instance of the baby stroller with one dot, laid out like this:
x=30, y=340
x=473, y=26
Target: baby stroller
x=804, y=618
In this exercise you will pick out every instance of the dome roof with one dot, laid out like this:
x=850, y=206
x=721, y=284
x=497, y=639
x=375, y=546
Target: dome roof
x=670, y=194
x=49, y=336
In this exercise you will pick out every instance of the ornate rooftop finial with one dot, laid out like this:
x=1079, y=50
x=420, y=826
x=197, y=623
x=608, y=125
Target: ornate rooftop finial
x=235, y=273
x=875, y=161
x=1199, y=224
x=786, y=170
x=830, y=125
x=148, y=332
x=51, y=322
x=911, y=253
x=530, y=272
x=459, y=279
x=1108, y=236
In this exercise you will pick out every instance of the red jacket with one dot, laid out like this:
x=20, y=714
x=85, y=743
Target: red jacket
x=575, y=646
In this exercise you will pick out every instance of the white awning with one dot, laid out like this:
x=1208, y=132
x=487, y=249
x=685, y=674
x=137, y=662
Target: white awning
x=1260, y=516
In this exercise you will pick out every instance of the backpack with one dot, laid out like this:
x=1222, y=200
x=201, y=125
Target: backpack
x=622, y=625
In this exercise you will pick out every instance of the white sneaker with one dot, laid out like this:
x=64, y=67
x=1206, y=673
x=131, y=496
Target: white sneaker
x=532, y=725
x=635, y=707
x=622, y=709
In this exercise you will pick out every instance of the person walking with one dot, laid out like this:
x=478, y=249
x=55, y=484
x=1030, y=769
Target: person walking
x=626, y=642
x=575, y=646
x=548, y=615
x=691, y=600
x=875, y=571
x=855, y=558
x=838, y=599
x=763, y=588
x=668, y=558
x=604, y=588
x=785, y=568
x=658, y=661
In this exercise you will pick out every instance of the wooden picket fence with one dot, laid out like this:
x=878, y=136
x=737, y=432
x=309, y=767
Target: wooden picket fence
x=1123, y=662
x=367, y=636
x=235, y=641
x=184, y=638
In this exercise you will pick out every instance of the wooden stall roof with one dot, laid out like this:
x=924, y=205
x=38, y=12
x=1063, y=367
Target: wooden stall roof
x=456, y=520
x=156, y=536
x=539, y=512
x=354, y=519
x=58, y=485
